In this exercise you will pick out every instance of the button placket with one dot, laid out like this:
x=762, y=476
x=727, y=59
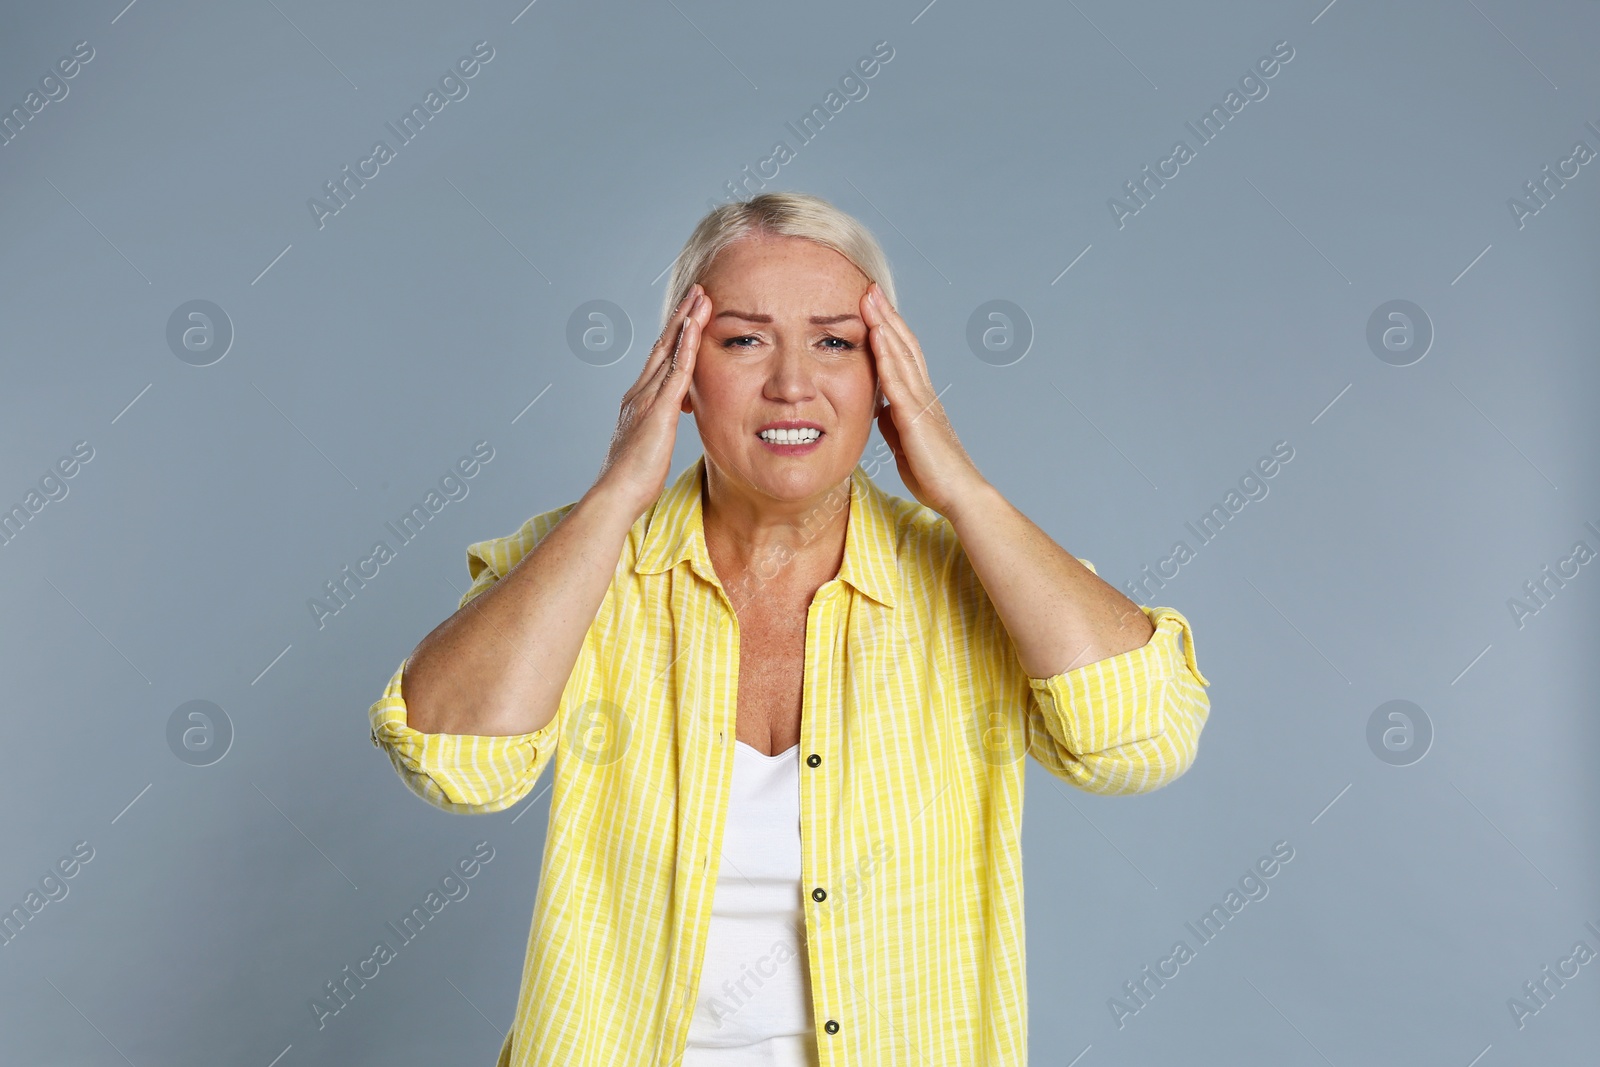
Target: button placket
x=818, y=634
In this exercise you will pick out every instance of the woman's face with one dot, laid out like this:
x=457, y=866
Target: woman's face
x=785, y=342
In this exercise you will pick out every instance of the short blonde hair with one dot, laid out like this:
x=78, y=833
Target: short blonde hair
x=782, y=214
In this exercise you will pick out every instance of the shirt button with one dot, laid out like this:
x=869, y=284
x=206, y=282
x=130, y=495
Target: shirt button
x=831, y=1026
x=819, y=894
x=813, y=759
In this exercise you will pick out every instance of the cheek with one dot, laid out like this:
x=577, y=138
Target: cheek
x=722, y=392
x=869, y=384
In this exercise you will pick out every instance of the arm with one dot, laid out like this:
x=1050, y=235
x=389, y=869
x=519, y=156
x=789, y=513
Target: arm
x=1120, y=712
x=1115, y=704
x=478, y=767
x=483, y=692
x=1060, y=614
x=499, y=665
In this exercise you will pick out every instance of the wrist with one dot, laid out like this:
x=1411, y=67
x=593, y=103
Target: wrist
x=979, y=498
x=614, y=506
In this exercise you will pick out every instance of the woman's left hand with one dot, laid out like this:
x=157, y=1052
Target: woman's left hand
x=932, y=463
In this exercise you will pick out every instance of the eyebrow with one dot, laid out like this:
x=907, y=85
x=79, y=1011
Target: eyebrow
x=816, y=320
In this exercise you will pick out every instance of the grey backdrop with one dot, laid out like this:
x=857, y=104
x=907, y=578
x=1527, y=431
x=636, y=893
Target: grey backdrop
x=1443, y=455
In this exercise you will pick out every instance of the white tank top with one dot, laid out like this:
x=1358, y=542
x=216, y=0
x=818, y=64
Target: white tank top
x=754, y=1004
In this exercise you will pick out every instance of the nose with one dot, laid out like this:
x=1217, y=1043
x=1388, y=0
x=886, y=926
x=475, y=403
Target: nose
x=791, y=379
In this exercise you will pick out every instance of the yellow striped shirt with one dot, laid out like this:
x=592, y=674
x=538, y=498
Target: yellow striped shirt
x=916, y=716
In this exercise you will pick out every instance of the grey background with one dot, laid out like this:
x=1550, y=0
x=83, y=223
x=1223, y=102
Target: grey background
x=1229, y=314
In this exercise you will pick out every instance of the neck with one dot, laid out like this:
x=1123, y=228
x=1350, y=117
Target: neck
x=765, y=541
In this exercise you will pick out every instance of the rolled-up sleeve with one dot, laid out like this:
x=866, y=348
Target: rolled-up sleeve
x=471, y=774
x=468, y=774
x=1129, y=723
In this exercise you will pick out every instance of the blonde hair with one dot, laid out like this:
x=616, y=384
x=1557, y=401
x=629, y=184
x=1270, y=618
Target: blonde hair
x=782, y=214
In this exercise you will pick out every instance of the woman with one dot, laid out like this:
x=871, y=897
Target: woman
x=791, y=708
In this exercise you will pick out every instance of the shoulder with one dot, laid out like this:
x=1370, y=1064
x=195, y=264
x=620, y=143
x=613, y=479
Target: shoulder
x=928, y=554
x=500, y=554
x=924, y=539
x=930, y=549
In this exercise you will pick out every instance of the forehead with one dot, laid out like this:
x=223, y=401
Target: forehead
x=782, y=270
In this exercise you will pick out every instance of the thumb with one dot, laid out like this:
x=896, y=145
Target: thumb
x=890, y=432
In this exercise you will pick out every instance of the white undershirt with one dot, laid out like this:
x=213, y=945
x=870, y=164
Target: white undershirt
x=754, y=1004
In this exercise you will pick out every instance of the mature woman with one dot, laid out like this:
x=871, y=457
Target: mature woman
x=790, y=709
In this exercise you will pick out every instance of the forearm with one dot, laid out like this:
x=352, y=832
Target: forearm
x=1059, y=614
x=500, y=664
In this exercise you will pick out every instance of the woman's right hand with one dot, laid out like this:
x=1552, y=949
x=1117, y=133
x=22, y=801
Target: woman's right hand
x=640, y=456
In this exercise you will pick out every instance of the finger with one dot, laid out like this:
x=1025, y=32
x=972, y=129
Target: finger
x=670, y=335
x=902, y=372
x=679, y=369
x=904, y=343
x=669, y=367
x=893, y=323
x=888, y=354
x=657, y=373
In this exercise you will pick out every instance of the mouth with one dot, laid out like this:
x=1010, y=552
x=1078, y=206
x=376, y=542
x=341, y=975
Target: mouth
x=795, y=441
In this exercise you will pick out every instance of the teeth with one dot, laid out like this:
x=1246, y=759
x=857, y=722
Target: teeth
x=790, y=437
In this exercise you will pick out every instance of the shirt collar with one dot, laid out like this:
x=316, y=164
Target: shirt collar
x=675, y=532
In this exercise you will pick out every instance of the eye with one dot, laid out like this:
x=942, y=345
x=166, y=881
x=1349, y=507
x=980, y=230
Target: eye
x=842, y=346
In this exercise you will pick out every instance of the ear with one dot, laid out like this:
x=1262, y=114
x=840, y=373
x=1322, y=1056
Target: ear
x=686, y=407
